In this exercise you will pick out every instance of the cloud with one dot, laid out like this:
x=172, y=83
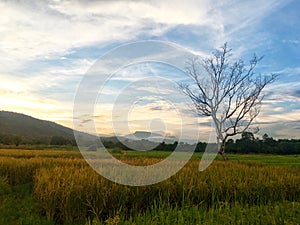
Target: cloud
x=292, y=41
x=46, y=47
x=295, y=93
x=50, y=28
x=156, y=108
x=56, y=82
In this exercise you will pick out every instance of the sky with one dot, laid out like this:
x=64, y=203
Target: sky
x=48, y=47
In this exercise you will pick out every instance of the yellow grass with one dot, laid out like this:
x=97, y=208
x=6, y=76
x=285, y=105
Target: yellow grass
x=66, y=189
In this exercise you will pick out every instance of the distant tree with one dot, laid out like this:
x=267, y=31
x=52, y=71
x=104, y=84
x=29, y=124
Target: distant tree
x=7, y=139
x=108, y=144
x=230, y=145
x=229, y=92
x=41, y=140
x=265, y=137
x=269, y=141
x=248, y=136
x=200, y=147
x=17, y=140
x=59, y=140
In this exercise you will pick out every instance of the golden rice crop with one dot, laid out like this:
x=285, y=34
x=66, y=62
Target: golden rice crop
x=20, y=170
x=70, y=193
x=67, y=190
x=25, y=154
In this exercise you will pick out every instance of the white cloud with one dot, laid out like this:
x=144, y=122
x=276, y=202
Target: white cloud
x=35, y=29
x=167, y=12
x=49, y=30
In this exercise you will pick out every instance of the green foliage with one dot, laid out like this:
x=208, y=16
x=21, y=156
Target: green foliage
x=17, y=207
x=246, y=144
x=116, y=151
x=272, y=214
x=59, y=140
x=247, y=136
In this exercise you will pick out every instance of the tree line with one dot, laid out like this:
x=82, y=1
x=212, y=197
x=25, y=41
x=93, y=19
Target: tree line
x=10, y=139
x=247, y=143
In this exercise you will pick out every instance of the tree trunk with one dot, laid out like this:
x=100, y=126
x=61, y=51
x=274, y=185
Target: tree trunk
x=222, y=151
x=225, y=158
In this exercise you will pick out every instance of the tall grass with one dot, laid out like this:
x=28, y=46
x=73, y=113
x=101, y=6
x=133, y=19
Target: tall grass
x=22, y=170
x=72, y=194
x=67, y=190
x=271, y=214
x=26, y=154
x=4, y=186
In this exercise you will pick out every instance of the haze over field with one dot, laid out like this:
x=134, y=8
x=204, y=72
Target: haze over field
x=48, y=46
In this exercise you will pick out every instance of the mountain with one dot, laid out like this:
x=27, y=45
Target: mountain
x=31, y=128
x=22, y=125
x=151, y=136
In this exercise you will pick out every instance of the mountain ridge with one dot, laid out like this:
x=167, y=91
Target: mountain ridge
x=22, y=125
x=13, y=123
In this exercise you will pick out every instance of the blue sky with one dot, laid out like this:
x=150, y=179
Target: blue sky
x=48, y=46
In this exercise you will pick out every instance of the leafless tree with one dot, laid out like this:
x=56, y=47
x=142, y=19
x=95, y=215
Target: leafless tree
x=228, y=91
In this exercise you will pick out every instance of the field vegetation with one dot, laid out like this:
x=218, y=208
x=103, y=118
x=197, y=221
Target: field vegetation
x=58, y=187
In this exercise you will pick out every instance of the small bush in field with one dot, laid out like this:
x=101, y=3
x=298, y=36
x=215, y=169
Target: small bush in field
x=116, y=151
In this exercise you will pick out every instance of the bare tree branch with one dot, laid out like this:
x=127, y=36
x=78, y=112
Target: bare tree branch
x=229, y=92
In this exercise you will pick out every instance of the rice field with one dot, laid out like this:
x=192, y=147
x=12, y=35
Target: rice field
x=60, y=188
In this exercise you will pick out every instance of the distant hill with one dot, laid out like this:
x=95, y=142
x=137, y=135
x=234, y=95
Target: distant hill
x=22, y=125
x=33, y=130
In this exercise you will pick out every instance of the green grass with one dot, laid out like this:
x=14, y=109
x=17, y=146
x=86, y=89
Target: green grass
x=280, y=160
x=18, y=207
x=271, y=214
